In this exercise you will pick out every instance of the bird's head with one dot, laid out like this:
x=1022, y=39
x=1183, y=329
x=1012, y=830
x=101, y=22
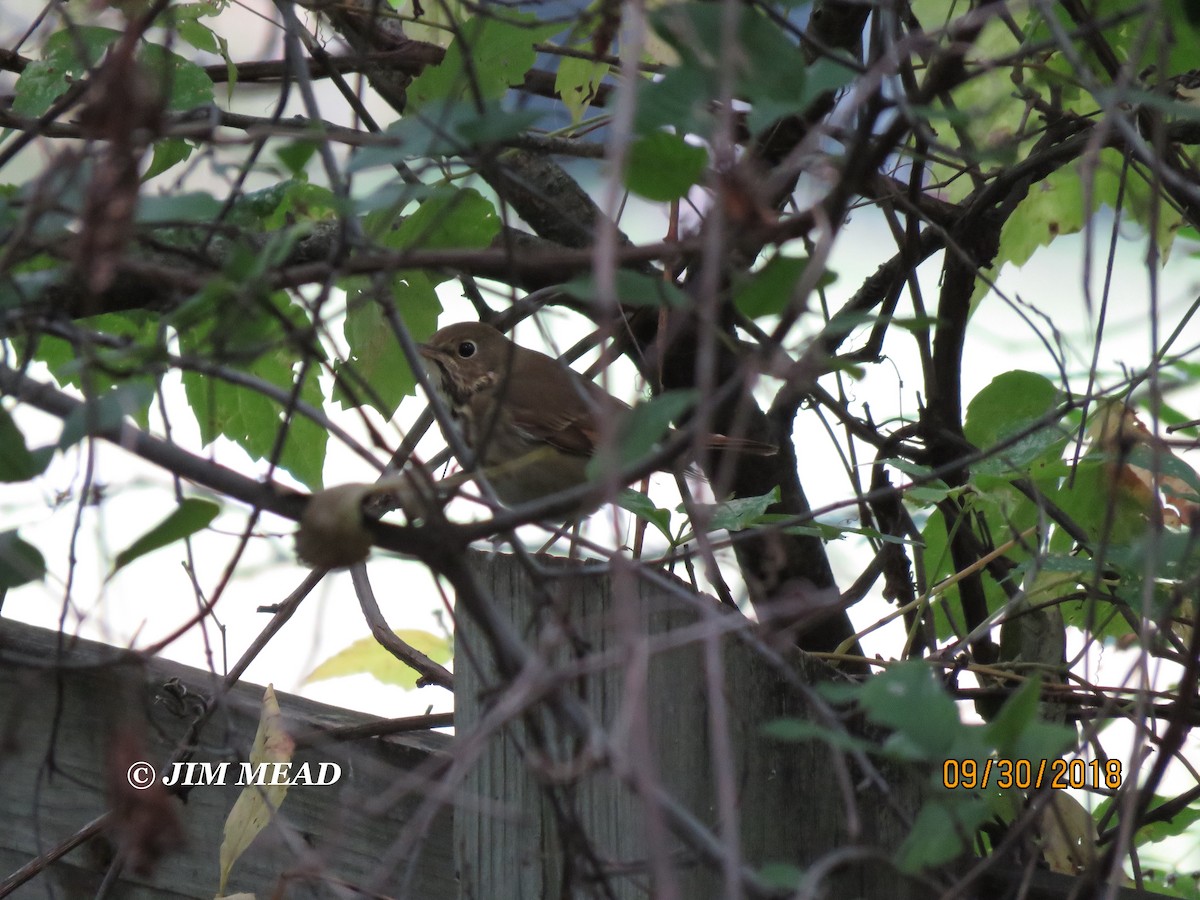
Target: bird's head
x=467, y=357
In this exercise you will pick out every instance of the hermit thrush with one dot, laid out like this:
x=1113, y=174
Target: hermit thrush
x=532, y=422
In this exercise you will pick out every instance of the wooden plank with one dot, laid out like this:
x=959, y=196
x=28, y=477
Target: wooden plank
x=789, y=807
x=58, y=710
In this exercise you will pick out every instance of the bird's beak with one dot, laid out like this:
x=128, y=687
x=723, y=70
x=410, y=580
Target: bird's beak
x=432, y=360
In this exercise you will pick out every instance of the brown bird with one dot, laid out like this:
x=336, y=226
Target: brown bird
x=533, y=423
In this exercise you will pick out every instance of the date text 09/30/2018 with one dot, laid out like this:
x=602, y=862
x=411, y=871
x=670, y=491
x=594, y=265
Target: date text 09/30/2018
x=1024, y=774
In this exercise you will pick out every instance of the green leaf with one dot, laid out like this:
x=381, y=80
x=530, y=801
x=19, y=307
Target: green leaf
x=641, y=430
x=1170, y=36
x=771, y=74
x=799, y=731
x=10, y=215
x=192, y=207
x=66, y=56
x=1010, y=404
x=167, y=153
x=42, y=82
x=231, y=69
x=250, y=335
x=1044, y=740
x=500, y=50
x=17, y=463
x=1053, y=206
x=1089, y=499
x=633, y=289
x=643, y=507
x=938, y=833
x=368, y=657
x=908, y=699
x=25, y=288
x=198, y=35
x=768, y=291
x=104, y=412
x=189, y=84
x=1178, y=824
x=647, y=422
x=999, y=510
x=985, y=107
x=20, y=561
x=301, y=203
x=1183, y=21
x=828, y=74
x=193, y=514
x=296, y=155
x=1097, y=617
x=379, y=205
x=938, y=565
x=782, y=876
x=375, y=356
x=930, y=491
x=1017, y=713
x=927, y=494
x=1056, y=563
x=1170, y=884
x=448, y=219
x=286, y=208
x=131, y=351
x=680, y=99
x=663, y=167
x=445, y=128
x=252, y=420
x=739, y=513
x=178, y=13
x=932, y=14
x=832, y=531
x=276, y=205
x=1172, y=556
x=1173, y=417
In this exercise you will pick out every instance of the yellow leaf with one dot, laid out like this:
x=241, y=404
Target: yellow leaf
x=1068, y=835
x=368, y=657
x=656, y=50
x=263, y=794
x=576, y=83
x=434, y=25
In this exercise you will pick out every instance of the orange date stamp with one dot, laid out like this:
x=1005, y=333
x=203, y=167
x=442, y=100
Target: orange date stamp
x=1031, y=774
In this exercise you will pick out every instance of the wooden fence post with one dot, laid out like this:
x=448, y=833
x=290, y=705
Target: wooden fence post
x=510, y=841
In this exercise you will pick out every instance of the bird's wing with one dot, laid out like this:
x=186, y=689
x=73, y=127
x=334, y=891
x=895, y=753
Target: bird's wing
x=566, y=413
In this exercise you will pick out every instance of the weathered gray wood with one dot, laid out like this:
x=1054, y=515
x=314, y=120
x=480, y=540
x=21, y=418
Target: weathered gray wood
x=789, y=806
x=58, y=709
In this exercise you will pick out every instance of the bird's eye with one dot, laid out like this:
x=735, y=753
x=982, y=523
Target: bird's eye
x=466, y=349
